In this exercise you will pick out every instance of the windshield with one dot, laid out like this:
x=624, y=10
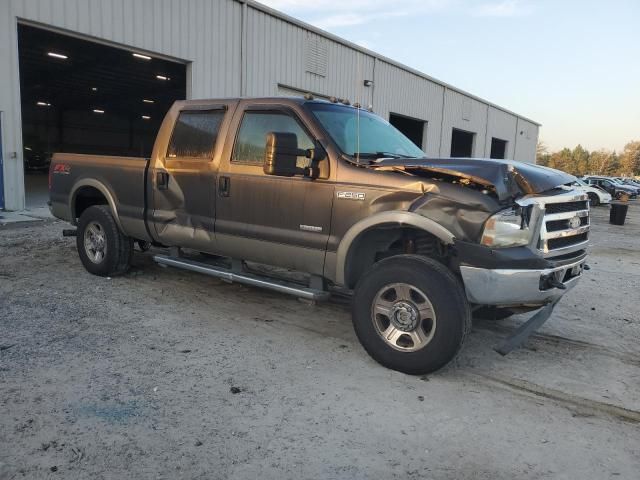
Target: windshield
x=375, y=137
x=580, y=182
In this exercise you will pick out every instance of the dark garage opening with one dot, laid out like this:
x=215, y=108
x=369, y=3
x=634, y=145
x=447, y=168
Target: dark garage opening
x=412, y=128
x=498, y=148
x=461, y=143
x=79, y=96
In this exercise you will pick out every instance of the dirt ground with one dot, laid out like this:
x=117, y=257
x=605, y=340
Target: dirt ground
x=169, y=374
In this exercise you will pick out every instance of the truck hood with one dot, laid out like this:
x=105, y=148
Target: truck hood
x=509, y=179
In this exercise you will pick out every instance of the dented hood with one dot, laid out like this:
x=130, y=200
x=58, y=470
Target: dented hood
x=510, y=179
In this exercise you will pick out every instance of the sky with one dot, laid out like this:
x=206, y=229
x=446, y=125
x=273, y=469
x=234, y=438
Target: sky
x=573, y=66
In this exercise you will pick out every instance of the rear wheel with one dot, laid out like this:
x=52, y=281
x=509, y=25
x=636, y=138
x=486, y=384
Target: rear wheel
x=103, y=249
x=410, y=314
x=594, y=200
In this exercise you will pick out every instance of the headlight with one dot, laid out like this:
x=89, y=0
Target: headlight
x=506, y=229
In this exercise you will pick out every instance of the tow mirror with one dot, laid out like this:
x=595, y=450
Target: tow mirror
x=281, y=154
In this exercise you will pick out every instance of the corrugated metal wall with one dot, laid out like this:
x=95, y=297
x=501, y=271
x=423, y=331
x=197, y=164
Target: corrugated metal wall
x=464, y=113
x=501, y=125
x=277, y=54
x=526, y=140
x=399, y=91
x=234, y=48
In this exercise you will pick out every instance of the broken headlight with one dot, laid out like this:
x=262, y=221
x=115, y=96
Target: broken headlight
x=507, y=228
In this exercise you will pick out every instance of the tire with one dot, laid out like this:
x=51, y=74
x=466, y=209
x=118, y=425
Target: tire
x=431, y=318
x=594, y=200
x=98, y=232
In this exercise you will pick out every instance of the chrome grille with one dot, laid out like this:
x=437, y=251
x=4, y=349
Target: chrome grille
x=566, y=207
x=565, y=226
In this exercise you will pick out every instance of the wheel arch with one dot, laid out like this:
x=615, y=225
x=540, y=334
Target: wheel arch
x=91, y=186
x=384, y=220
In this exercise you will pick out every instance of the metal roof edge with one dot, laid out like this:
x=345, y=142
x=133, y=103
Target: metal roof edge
x=287, y=18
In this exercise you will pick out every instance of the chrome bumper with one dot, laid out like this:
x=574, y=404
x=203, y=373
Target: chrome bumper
x=504, y=287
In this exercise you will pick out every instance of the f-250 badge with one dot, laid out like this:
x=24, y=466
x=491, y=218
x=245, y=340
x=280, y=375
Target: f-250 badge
x=352, y=195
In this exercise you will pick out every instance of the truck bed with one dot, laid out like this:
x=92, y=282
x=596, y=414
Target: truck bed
x=122, y=180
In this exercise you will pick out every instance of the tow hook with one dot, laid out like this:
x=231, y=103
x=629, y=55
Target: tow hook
x=550, y=281
x=70, y=232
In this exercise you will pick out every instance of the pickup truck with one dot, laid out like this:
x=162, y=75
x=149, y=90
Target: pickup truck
x=338, y=196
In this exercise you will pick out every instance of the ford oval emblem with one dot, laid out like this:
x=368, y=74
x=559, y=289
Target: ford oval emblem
x=575, y=222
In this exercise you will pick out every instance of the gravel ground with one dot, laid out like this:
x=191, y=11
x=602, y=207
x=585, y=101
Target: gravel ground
x=169, y=374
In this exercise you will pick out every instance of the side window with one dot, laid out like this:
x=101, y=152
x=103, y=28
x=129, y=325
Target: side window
x=252, y=136
x=195, y=133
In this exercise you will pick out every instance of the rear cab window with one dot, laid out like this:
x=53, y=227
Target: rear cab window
x=195, y=134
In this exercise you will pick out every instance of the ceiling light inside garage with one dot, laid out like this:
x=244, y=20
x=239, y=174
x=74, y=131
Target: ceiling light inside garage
x=94, y=89
x=162, y=77
x=146, y=117
x=43, y=104
x=143, y=57
x=146, y=100
x=57, y=55
x=97, y=110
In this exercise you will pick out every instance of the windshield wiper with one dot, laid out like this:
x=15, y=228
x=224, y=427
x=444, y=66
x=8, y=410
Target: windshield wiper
x=381, y=155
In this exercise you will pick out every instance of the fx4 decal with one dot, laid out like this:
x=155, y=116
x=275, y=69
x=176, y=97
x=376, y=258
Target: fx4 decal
x=62, y=168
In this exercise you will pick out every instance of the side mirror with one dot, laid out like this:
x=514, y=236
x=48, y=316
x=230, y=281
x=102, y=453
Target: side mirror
x=281, y=154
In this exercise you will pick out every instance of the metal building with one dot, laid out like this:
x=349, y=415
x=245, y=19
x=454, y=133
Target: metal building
x=77, y=76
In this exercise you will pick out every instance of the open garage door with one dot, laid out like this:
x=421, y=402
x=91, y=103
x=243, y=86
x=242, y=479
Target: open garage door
x=411, y=127
x=461, y=143
x=80, y=96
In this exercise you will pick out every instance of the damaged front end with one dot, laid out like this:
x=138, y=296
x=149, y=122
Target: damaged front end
x=524, y=250
x=507, y=180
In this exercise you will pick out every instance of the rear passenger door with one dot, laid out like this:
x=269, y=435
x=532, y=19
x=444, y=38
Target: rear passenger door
x=184, y=183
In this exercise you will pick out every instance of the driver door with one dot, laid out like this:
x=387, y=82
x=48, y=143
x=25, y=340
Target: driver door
x=284, y=221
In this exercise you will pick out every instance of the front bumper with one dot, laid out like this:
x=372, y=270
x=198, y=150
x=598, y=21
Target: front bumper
x=525, y=287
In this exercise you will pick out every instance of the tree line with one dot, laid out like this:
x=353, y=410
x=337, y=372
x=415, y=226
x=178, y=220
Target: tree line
x=580, y=161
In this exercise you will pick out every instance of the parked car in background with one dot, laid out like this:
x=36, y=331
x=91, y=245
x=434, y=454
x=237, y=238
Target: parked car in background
x=618, y=181
x=629, y=181
x=36, y=159
x=615, y=188
x=597, y=195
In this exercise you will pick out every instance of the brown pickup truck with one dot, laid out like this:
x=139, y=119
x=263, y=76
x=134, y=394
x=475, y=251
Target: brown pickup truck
x=336, y=195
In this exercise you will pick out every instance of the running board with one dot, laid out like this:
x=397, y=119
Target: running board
x=245, y=278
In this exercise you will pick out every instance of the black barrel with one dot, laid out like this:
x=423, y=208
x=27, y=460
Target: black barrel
x=618, y=213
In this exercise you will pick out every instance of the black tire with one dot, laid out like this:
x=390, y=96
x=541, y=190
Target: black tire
x=428, y=278
x=119, y=248
x=594, y=200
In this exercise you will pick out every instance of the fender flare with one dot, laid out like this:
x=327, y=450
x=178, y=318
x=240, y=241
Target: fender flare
x=102, y=188
x=393, y=217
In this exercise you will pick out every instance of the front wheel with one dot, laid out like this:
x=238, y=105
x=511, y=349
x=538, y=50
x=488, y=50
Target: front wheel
x=594, y=200
x=410, y=313
x=104, y=250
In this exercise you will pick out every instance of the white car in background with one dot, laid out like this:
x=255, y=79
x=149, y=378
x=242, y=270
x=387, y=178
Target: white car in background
x=597, y=196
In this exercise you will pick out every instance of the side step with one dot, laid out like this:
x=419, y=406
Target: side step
x=245, y=278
